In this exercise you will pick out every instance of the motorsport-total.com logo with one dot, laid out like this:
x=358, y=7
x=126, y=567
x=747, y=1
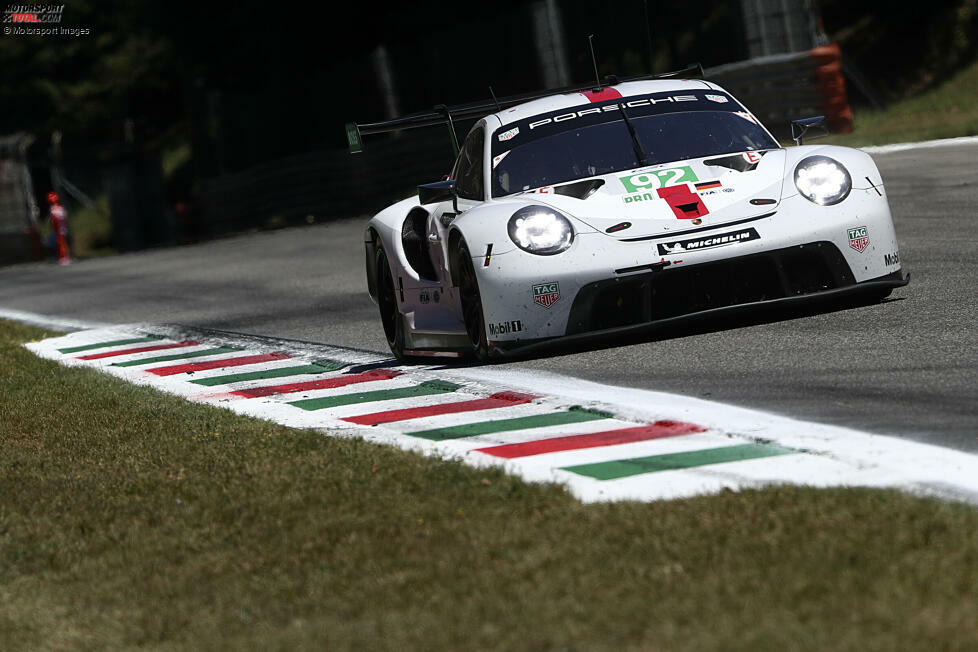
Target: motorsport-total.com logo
x=16, y=13
x=38, y=20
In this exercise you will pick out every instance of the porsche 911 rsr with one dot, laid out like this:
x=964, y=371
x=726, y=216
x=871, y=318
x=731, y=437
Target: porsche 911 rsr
x=605, y=211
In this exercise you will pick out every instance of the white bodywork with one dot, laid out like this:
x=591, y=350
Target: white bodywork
x=430, y=307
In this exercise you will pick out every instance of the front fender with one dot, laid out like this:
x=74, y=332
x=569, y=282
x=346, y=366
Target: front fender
x=862, y=168
x=384, y=229
x=488, y=225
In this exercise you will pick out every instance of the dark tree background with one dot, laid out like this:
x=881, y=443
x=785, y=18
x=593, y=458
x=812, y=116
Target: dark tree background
x=251, y=82
x=290, y=77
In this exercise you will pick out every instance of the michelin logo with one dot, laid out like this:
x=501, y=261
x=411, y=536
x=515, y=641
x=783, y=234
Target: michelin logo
x=717, y=240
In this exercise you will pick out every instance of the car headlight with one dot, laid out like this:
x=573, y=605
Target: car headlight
x=822, y=180
x=540, y=230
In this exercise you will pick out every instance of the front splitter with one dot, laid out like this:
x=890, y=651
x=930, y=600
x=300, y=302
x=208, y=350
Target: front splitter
x=529, y=348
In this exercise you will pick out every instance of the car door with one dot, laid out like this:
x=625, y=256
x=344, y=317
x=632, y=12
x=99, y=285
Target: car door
x=470, y=192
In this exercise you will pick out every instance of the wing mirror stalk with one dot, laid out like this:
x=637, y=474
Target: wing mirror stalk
x=800, y=127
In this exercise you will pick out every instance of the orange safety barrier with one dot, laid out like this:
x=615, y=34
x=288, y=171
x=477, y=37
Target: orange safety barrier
x=831, y=87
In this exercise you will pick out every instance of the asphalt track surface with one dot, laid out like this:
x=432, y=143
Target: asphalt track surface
x=905, y=367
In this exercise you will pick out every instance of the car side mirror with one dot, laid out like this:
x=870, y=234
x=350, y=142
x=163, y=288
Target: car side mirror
x=800, y=127
x=439, y=191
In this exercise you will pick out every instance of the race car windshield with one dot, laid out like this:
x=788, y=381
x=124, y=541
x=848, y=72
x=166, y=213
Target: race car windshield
x=587, y=150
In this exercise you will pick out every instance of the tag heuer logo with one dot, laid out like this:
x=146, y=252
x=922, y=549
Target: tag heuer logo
x=546, y=294
x=859, y=238
x=509, y=134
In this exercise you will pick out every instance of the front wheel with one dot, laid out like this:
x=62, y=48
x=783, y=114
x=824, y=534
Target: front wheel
x=471, y=300
x=390, y=316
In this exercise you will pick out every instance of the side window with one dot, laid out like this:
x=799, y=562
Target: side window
x=468, y=170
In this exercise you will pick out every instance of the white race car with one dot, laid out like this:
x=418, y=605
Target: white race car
x=606, y=210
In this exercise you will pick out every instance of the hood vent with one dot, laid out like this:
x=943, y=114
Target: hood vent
x=733, y=162
x=579, y=189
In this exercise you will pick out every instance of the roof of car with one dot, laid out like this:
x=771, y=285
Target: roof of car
x=625, y=89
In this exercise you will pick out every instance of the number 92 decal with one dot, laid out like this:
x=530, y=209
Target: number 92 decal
x=658, y=179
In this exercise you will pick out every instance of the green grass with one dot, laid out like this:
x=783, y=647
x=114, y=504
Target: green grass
x=129, y=518
x=947, y=111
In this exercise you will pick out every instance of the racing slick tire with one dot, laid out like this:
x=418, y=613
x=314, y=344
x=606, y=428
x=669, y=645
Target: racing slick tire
x=471, y=301
x=390, y=316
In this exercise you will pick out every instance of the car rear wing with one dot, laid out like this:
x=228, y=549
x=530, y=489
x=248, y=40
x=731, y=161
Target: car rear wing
x=447, y=115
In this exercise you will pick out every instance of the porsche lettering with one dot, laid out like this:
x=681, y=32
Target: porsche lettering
x=645, y=101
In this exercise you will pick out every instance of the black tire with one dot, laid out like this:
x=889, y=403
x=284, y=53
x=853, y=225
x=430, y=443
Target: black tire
x=471, y=301
x=390, y=316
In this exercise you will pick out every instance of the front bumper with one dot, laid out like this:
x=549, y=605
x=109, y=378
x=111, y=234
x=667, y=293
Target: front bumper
x=602, y=285
x=666, y=293
x=614, y=333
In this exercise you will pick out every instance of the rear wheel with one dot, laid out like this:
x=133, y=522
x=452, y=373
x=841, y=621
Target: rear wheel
x=471, y=300
x=390, y=316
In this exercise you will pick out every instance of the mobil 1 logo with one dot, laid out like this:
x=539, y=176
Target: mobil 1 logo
x=505, y=327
